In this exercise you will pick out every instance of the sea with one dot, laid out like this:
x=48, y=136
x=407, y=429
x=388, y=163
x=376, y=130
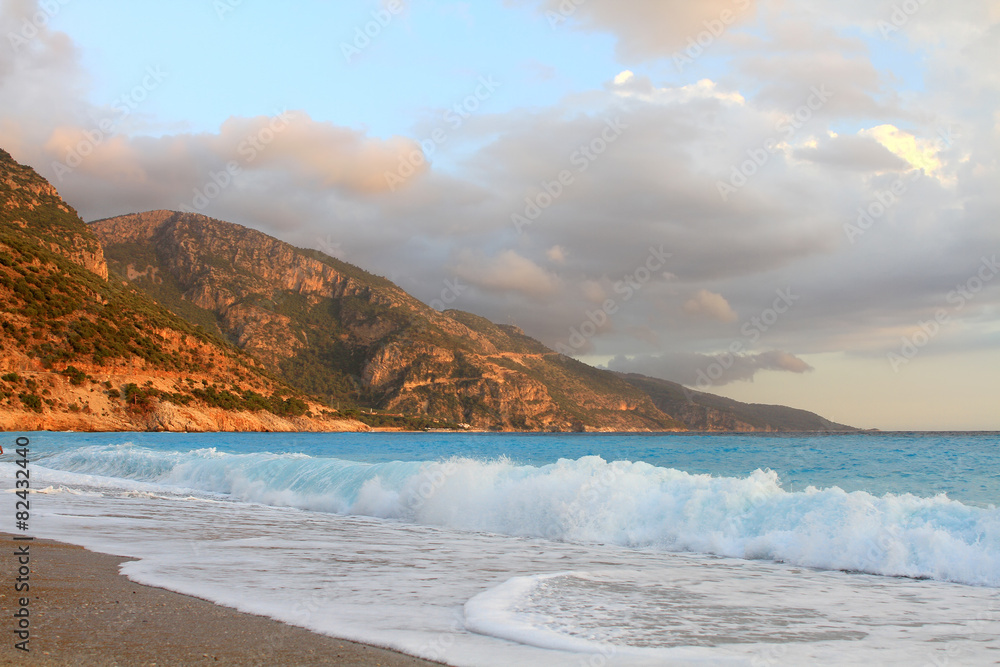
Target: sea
x=556, y=549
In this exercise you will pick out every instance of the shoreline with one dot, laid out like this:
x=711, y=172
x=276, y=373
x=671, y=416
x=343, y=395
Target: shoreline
x=84, y=612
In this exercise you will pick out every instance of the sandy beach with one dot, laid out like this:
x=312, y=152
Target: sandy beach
x=84, y=613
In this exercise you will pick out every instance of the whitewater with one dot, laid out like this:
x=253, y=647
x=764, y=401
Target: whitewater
x=578, y=550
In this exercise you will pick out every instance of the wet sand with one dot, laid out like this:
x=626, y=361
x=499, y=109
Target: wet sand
x=83, y=612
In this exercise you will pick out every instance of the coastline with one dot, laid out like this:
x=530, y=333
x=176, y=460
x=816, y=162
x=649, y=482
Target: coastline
x=84, y=612
x=174, y=419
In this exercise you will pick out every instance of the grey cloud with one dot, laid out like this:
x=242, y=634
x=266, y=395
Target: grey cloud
x=709, y=370
x=853, y=153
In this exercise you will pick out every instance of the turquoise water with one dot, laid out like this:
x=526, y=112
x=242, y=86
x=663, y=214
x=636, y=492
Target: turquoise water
x=965, y=466
x=563, y=549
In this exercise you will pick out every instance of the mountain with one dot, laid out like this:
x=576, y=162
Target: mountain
x=80, y=351
x=176, y=321
x=334, y=330
x=708, y=412
x=354, y=338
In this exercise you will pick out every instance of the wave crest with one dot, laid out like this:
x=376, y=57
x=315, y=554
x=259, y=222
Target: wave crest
x=590, y=500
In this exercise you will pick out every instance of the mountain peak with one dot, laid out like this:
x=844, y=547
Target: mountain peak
x=136, y=227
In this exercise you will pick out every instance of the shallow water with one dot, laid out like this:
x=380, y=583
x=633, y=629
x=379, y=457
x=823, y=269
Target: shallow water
x=579, y=550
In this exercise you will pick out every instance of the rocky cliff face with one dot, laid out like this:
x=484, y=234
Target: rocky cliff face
x=88, y=405
x=335, y=330
x=29, y=200
x=78, y=351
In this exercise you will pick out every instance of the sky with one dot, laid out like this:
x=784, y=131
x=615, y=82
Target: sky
x=779, y=201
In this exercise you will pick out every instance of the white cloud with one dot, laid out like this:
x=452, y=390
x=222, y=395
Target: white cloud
x=918, y=153
x=643, y=89
x=624, y=77
x=649, y=29
x=506, y=272
x=710, y=305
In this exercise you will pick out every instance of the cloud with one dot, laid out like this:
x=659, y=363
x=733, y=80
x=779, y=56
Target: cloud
x=917, y=153
x=627, y=85
x=318, y=154
x=649, y=29
x=506, y=272
x=710, y=305
x=41, y=81
x=851, y=152
x=334, y=156
x=624, y=77
x=593, y=291
x=704, y=370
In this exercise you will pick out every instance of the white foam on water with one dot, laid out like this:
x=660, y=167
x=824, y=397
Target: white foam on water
x=509, y=611
x=593, y=501
x=470, y=598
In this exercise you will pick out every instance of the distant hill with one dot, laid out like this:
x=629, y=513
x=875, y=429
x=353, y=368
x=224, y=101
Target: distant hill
x=708, y=412
x=334, y=330
x=79, y=351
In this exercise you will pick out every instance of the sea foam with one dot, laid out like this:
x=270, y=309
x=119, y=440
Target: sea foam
x=590, y=500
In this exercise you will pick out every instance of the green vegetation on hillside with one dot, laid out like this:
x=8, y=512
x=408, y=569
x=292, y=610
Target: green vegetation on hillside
x=59, y=313
x=162, y=287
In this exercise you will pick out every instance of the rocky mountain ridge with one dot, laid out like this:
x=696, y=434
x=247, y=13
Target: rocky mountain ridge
x=79, y=351
x=175, y=321
x=334, y=330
